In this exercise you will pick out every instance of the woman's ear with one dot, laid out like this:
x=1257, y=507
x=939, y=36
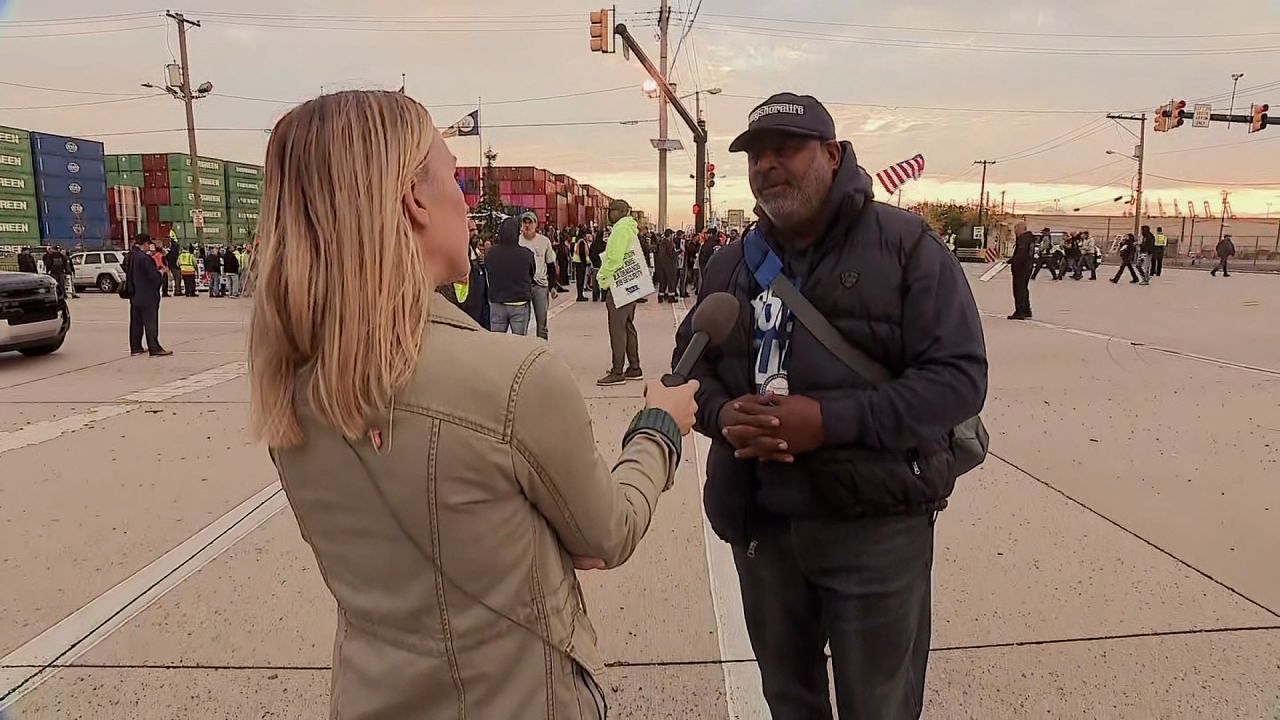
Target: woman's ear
x=415, y=205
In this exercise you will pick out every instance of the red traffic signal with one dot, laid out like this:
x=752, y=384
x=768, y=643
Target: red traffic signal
x=711, y=168
x=1175, y=113
x=1258, y=118
x=711, y=175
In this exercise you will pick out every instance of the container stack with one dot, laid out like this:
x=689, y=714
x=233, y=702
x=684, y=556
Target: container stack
x=71, y=190
x=169, y=196
x=19, y=216
x=557, y=200
x=124, y=199
x=244, y=201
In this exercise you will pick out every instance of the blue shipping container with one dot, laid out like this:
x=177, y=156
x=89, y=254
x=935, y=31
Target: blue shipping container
x=45, y=144
x=66, y=187
x=72, y=208
x=72, y=230
x=62, y=166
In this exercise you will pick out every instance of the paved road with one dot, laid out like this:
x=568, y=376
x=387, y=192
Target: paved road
x=1113, y=559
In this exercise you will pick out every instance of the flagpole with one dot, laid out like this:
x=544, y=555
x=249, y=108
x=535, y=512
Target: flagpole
x=480, y=137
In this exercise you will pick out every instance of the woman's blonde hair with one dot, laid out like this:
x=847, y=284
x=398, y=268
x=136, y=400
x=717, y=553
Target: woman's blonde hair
x=340, y=288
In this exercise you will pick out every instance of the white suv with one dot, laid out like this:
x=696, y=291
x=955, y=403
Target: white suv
x=98, y=269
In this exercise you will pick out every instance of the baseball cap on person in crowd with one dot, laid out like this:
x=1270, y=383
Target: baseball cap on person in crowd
x=787, y=113
x=529, y=216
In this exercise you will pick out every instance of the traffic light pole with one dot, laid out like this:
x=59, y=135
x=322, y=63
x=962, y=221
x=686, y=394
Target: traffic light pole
x=664, y=21
x=697, y=127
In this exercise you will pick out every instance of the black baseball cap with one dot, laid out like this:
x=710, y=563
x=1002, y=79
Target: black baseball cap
x=788, y=113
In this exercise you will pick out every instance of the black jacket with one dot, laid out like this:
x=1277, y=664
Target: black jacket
x=144, y=277
x=171, y=256
x=1225, y=248
x=510, y=267
x=213, y=263
x=1128, y=249
x=1148, y=246
x=596, y=250
x=230, y=263
x=890, y=285
x=27, y=263
x=1023, y=250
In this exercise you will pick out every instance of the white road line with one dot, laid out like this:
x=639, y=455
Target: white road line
x=47, y=430
x=1270, y=372
x=167, y=322
x=743, y=694
x=62, y=644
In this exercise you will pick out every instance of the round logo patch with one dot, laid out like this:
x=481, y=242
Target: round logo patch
x=776, y=384
x=74, y=188
x=73, y=167
x=71, y=147
x=77, y=208
x=78, y=229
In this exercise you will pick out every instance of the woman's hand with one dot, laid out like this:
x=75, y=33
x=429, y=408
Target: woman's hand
x=677, y=401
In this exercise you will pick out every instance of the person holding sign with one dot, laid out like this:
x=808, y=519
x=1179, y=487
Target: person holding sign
x=625, y=279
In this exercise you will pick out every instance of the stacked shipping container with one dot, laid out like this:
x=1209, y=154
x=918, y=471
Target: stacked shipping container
x=169, y=194
x=558, y=200
x=124, y=199
x=19, y=214
x=71, y=190
x=244, y=200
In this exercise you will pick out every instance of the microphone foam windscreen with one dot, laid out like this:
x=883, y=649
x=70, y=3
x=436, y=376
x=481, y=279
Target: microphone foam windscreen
x=715, y=316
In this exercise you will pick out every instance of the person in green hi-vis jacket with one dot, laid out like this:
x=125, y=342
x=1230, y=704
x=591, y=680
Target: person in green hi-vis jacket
x=624, y=342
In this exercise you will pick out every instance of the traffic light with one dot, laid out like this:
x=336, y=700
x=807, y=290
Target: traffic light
x=1162, y=120
x=1175, y=113
x=711, y=175
x=1258, y=117
x=600, y=32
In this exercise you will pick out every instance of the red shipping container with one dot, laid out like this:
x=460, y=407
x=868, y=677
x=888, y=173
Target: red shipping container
x=504, y=187
x=540, y=202
x=155, y=161
x=155, y=196
x=539, y=175
x=540, y=187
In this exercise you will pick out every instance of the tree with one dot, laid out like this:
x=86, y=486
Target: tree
x=946, y=218
x=490, y=205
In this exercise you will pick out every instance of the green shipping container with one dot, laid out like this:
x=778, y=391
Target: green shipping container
x=135, y=163
x=17, y=184
x=244, y=217
x=207, y=199
x=179, y=179
x=240, y=186
x=183, y=214
x=15, y=141
x=127, y=179
x=13, y=164
x=242, y=233
x=241, y=170
x=244, y=201
x=18, y=229
x=208, y=165
x=23, y=206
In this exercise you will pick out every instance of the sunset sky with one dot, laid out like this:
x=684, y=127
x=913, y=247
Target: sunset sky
x=1024, y=83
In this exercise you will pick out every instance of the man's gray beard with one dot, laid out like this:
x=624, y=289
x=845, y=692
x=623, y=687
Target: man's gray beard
x=787, y=211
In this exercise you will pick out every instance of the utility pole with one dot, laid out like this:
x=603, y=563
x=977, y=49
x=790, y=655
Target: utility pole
x=1141, y=158
x=187, y=100
x=664, y=23
x=982, y=191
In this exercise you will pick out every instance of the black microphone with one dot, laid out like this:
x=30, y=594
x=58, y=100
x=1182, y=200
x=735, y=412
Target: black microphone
x=713, y=320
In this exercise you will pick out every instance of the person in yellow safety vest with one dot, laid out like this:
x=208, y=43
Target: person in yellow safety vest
x=187, y=266
x=1157, y=258
x=951, y=242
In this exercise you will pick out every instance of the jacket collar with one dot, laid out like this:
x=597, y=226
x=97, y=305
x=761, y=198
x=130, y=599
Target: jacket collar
x=443, y=312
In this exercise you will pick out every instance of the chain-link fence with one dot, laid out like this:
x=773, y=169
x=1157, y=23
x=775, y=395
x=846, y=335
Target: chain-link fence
x=1252, y=251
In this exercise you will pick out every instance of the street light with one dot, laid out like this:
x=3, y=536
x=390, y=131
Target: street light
x=1235, y=80
x=1123, y=155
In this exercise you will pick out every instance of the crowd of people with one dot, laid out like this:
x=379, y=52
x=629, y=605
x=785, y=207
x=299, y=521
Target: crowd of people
x=516, y=274
x=1074, y=253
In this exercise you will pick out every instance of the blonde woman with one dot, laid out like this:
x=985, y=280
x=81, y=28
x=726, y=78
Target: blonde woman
x=445, y=477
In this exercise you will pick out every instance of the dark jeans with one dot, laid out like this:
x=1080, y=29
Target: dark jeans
x=189, y=285
x=624, y=341
x=1123, y=265
x=1222, y=265
x=144, y=318
x=1157, y=261
x=176, y=276
x=861, y=585
x=1022, y=290
x=596, y=293
x=580, y=273
x=1045, y=263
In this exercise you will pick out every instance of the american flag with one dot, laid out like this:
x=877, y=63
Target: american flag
x=894, y=176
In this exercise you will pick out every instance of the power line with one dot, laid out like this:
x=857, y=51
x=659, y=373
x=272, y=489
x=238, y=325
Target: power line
x=80, y=33
x=1012, y=33
x=1067, y=141
x=1219, y=145
x=504, y=28
x=1246, y=184
x=688, y=26
x=1109, y=184
x=75, y=20
x=569, y=123
x=65, y=90
x=1017, y=50
x=86, y=104
x=471, y=103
